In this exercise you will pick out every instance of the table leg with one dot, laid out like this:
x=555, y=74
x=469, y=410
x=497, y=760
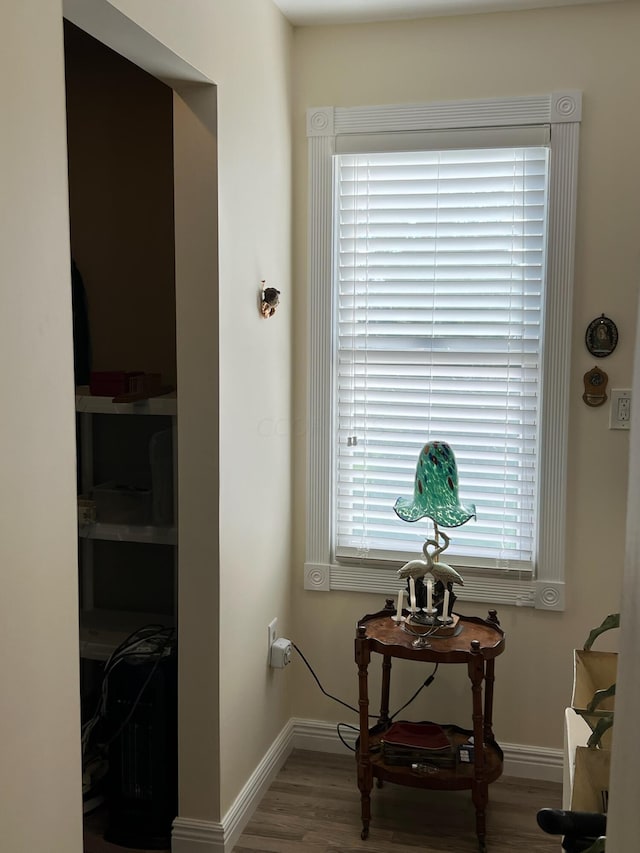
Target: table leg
x=479, y=790
x=365, y=771
x=383, y=719
x=488, y=700
x=386, y=687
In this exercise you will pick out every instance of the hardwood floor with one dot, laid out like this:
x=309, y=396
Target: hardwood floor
x=313, y=806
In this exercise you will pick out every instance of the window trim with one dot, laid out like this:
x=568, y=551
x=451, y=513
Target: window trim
x=560, y=110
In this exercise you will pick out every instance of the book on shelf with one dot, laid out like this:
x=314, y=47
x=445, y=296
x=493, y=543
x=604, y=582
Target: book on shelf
x=406, y=743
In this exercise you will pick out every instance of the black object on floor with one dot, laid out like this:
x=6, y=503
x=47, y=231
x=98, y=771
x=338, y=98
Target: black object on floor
x=560, y=822
x=573, y=844
x=141, y=716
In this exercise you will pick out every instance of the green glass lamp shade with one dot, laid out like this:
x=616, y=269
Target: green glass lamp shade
x=435, y=494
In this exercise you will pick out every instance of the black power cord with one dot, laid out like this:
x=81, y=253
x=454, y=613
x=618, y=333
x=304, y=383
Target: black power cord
x=335, y=698
x=346, y=726
x=424, y=684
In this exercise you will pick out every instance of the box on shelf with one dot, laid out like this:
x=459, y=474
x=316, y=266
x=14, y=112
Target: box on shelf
x=109, y=383
x=122, y=504
x=466, y=753
x=86, y=510
x=407, y=743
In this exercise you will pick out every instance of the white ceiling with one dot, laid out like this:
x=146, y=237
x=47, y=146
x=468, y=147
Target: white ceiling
x=311, y=12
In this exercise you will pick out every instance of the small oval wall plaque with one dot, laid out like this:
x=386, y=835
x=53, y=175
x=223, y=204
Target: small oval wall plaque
x=601, y=336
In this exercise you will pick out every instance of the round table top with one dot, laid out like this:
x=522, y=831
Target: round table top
x=388, y=637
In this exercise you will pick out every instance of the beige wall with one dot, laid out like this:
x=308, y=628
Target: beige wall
x=40, y=792
x=243, y=47
x=591, y=48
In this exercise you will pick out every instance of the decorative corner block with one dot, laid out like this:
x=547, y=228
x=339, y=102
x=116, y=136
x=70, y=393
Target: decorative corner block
x=320, y=121
x=566, y=106
x=317, y=577
x=549, y=595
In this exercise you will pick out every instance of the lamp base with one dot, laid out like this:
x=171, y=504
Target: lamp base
x=416, y=623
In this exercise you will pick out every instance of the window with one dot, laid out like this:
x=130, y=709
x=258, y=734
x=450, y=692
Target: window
x=441, y=247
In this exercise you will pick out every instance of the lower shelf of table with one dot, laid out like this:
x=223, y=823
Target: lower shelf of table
x=460, y=777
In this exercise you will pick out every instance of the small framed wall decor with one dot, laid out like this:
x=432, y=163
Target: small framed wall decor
x=595, y=387
x=601, y=337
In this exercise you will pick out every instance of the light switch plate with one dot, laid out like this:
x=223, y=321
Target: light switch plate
x=272, y=630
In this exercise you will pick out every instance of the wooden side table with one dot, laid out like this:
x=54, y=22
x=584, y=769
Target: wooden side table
x=477, y=643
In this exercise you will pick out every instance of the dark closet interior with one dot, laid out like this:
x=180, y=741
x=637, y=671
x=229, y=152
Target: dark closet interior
x=120, y=152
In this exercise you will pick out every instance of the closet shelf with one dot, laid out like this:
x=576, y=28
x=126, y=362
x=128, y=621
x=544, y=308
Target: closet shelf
x=167, y=404
x=146, y=533
x=102, y=631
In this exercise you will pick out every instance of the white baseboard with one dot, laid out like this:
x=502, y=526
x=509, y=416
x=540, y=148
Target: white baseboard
x=190, y=835
x=200, y=836
x=197, y=836
x=533, y=762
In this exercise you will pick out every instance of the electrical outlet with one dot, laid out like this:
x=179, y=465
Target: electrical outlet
x=281, y=653
x=620, y=412
x=272, y=629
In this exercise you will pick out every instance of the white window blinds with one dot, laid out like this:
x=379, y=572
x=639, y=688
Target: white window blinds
x=439, y=270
